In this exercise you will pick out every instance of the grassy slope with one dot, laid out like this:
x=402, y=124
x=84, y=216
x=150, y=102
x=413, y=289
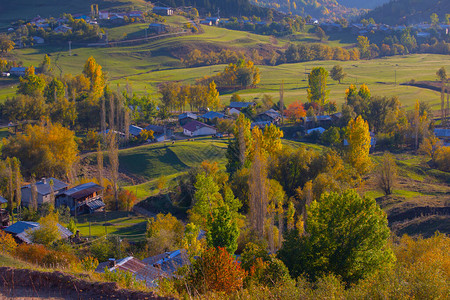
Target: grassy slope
x=27, y=9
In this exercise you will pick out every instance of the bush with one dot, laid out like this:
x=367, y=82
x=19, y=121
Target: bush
x=39, y=255
x=89, y=264
x=123, y=278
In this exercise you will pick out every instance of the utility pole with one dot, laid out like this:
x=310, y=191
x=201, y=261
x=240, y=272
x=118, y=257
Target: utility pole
x=70, y=48
x=395, y=77
x=145, y=32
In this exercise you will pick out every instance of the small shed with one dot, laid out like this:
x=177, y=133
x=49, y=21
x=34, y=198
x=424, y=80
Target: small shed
x=83, y=198
x=186, y=117
x=163, y=11
x=17, y=71
x=157, y=28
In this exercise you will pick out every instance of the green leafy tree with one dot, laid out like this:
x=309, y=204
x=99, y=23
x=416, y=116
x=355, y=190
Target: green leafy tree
x=320, y=34
x=223, y=230
x=54, y=90
x=48, y=232
x=317, y=86
x=6, y=44
x=31, y=84
x=434, y=19
x=363, y=46
x=46, y=67
x=346, y=235
x=337, y=73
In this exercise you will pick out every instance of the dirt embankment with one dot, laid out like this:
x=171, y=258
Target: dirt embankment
x=31, y=284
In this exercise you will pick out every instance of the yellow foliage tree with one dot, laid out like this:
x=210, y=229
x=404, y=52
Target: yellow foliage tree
x=358, y=137
x=47, y=150
x=48, y=231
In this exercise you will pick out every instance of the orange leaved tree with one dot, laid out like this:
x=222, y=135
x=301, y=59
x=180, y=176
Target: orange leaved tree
x=217, y=270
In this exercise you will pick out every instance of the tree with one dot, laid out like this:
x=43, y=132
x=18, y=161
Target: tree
x=320, y=33
x=164, y=233
x=442, y=76
x=317, y=86
x=337, y=73
x=222, y=230
x=363, y=46
x=31, y=84
x=347, y=235
x=434, y=18
x=94, y=73
x=126, y=199
x=48, y=232
x=331, y=137
x=295, y=111
x=6, y=44
x=213, y=96
x=431, y=146
x=48, y=150
x=216, y=270
x=46, y=67
x=387, y=173
x=113, y=153
x=358, y=137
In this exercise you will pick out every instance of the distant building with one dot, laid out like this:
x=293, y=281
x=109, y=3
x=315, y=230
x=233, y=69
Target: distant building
x=206, y=22
x=270, y=115
x=443, y=134
x=62, y=29
x=4, y=215
x=21, y=231
x=160, y=133
x=38, y=40
x=103, y=15
x=157, y=28
x=163, y=11
x=18, y=71
x=317, y=129
x=168, y=262
x=43, y=191
x=214, y=21
x=195, y=128
x=84, y=198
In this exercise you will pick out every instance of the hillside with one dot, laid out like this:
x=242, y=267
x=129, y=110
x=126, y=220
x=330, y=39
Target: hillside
x=27, y=9
x=369, y=4
x=409, y=11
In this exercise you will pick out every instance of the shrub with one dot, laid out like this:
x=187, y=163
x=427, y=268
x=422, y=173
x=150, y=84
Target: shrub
x=89, y=264
x=123, y=278
x=39, y=255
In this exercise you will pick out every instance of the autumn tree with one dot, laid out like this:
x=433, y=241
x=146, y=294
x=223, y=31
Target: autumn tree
x=113, y=154
x=347, y=235
x=126, y=199
x=358, y=137
x=317, y=86
x=6, y=44
x=31, y=84
x=94, y=73
x=45, y=150
x=48, y=232
x=295, y=111
x=164, y=233
x=46, y=65
x=431, y=146
x=387, y=173
x=337, y=73
x=363, y=46
x=216, y=270
x=442, y=76
x=213, y=96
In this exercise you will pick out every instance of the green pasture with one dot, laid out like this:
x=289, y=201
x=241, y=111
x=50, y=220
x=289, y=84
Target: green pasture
x=125, y=224
x=164, y=159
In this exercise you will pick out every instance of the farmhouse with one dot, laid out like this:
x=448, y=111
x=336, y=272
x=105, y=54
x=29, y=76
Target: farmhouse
x=211, y=115
x=186, y=117
x=17, y=71
x=21, y=231
x=236, y=107
x=84, y=198
x=135, y=130
x=163, y=11
x=157, y=28
x=38, y=40
x=270, y=115
x=168, y=262
x=142, y=271
x=43, y=189
x=214, y=21
x=443, y=134
x=195, y=128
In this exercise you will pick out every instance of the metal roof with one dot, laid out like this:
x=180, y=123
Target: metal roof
x=3, y=200
x=43, y=186
x=442, y=132
x=96, y=204
x=187, y=115
x=83, y=190
x=195, y=125
x=22, y=230
x=155, y=128
x=210, y=115
x=135, y=130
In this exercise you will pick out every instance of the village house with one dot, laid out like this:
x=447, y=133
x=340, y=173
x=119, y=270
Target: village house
x=62, y=29
x=142, y=271
x=443, y=134
x=21, y=231
x=38, y=40
x=214, y=21
x=270, y=115
x=44, y=189
x=135, y=130
x=168, y=262
x=157, y=28
x=103, y=15
x=236, y=107
x=211, y=115
x=17, y=71
x=196, y=128
x=160, y=133
x=84, y=198
x=163, y=11
x=186, y=117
